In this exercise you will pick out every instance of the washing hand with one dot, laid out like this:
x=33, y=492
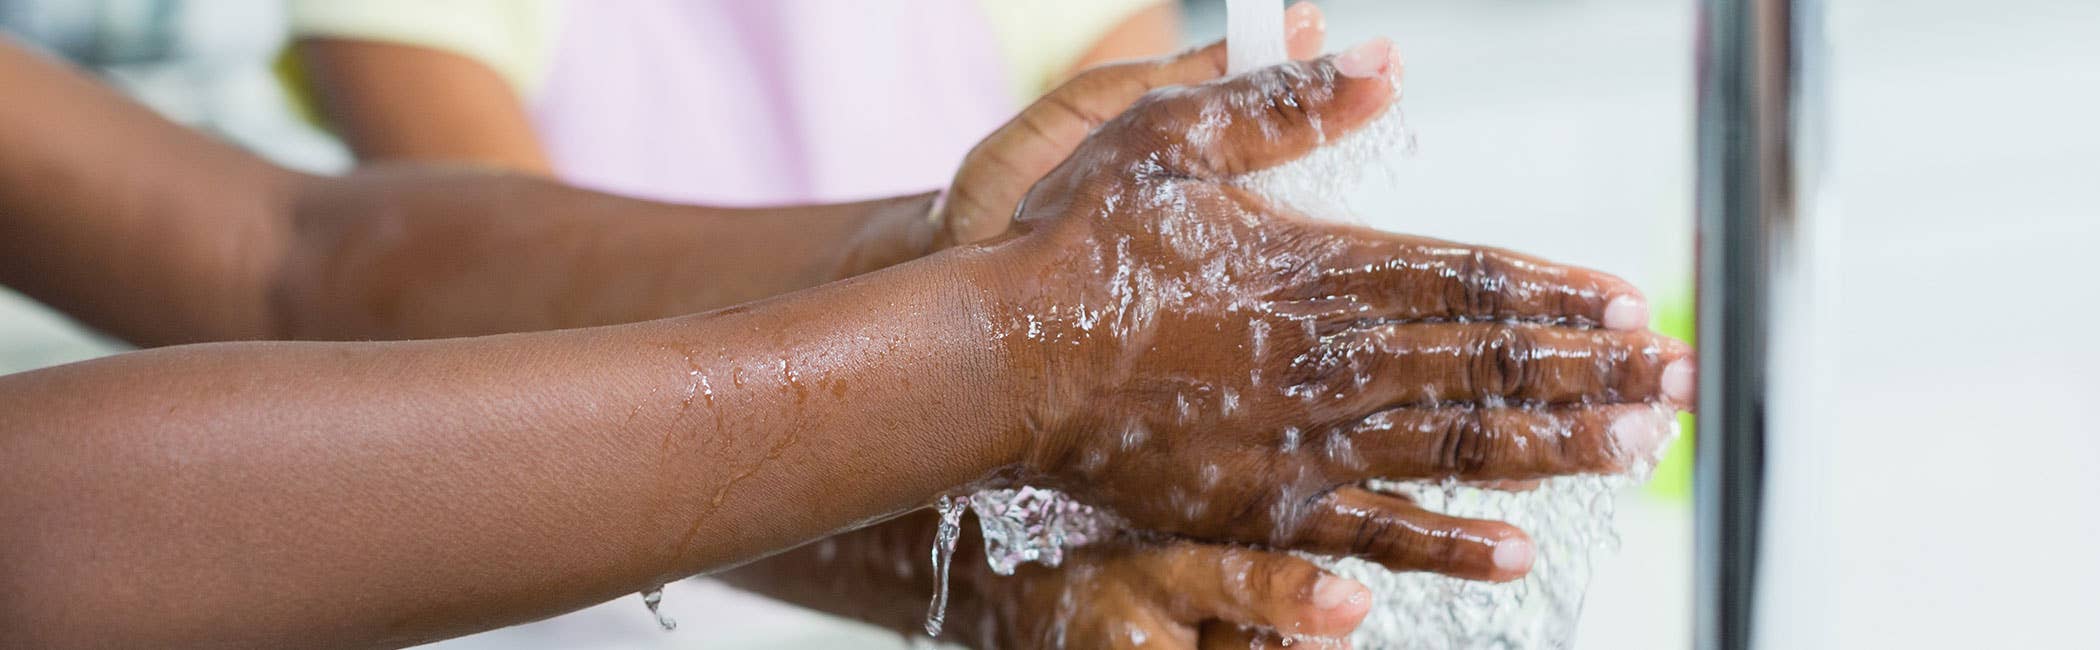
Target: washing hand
x=1118, y=593
x=1210, y=364
x=1175, y=594
x=1001, y=168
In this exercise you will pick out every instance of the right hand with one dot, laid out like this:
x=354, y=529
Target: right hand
x=1214, y=365
x=1125, y=593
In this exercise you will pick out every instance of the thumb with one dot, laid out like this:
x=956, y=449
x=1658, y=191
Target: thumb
x=999, y=171
x=1275, y=115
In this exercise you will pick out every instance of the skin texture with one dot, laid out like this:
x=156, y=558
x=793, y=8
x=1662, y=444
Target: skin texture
x=424, y=474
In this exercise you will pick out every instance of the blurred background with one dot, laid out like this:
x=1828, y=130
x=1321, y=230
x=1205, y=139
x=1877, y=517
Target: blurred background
x=1962, y=488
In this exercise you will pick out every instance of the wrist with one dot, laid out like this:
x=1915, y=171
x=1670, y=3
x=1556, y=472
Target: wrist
x=1009, y=318
x=894, y=231
x=1001, y=380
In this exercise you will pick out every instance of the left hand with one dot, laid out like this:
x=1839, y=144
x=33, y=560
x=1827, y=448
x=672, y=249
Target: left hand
x=1002, y=167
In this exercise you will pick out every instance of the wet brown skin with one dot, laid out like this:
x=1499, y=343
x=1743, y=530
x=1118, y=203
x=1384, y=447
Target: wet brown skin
x=1215, y=366
x=372, y=494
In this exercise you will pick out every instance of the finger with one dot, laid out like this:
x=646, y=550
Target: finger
x=1253, y=587
x=1507, y=444
x=1404, y=537
x=1431, y=364
x=1305, y=30
x=1413, y=278
x=1507, y=485
x=1147, y=629
x=999, y=170
x=1274, y=115
x=1220, y=635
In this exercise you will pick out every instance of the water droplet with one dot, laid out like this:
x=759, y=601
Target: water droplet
x=654, y=599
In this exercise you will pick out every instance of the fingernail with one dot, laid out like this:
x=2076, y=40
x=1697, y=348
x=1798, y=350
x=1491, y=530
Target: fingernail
x=1371, y=59
x=1626, y=313
x=1638, y=431
x=1680, y=381
x=1302, y=16
x=1514, y=556
x=1335, y=591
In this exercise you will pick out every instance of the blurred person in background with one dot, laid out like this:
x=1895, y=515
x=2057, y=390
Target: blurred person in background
x=717, y=102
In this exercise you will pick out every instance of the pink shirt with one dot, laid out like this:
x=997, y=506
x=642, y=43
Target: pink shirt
x=746, y=102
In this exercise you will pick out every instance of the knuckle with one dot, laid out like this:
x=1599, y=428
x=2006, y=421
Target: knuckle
x=1093, y=77
x=1463, y=444
x=1372, y=536
x=1326, y=366
x=1593, y=451
x=1502, y=362
x=1074, y=109
x=1478, y=282
x=1289, y=581
x=1289, y=101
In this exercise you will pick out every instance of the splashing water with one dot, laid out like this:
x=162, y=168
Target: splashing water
x=951, y=509
x=1570, y=520
x=1034, y=525
x=654, y=599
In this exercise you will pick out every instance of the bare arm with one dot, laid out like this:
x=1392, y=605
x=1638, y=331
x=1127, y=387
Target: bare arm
x=394, y=102
x=161, y=235
x=369, y=494
x=152, y=232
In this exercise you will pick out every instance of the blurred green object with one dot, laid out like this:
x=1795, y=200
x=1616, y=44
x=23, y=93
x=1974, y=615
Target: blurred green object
x=1673, y=476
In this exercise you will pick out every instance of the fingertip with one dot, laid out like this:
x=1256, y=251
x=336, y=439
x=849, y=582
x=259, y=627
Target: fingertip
x=1305, y=28
x=1639, y=432
x=1333, y=592
x=1680, y=381
x=1367, y=83
x=1513, y=557
x=1340, y=604
x=1626, y=312
x=1374, y=59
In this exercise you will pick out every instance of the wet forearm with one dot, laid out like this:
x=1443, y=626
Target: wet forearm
x=376, y=494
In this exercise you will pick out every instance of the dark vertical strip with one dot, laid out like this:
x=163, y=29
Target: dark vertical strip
x=1752, y=101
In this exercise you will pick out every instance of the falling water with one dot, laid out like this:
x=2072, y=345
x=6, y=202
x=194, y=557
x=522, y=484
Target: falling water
x=1253, y=34
x=654, y=599
x=951, y=510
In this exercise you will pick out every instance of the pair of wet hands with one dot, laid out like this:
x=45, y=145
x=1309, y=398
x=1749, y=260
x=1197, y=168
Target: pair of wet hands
x=1216, y=367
